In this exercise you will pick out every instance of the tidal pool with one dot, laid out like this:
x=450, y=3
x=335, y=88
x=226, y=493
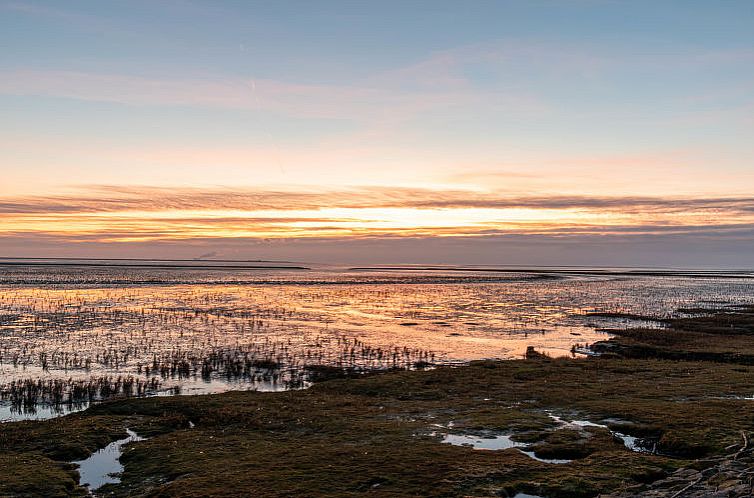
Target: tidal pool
x=496, y=442
x=103, y=467
x=493, y=443
x=630, y=442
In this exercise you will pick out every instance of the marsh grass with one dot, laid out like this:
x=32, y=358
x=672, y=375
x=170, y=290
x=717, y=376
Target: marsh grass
x=724, y=336
x=375, y=433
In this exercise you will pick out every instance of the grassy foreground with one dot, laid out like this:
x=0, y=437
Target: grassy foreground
x=381, y=434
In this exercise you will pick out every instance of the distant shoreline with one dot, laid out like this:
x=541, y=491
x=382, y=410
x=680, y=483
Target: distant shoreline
x=229, y=264
x=198, y=260
x=159, y=266
x=586, y=271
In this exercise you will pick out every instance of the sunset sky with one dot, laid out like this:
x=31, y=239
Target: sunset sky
x=594, y=132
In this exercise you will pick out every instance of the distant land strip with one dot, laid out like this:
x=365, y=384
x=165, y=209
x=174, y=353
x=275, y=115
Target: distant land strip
x=158, y=260
x=160, y=266
x=639, y=273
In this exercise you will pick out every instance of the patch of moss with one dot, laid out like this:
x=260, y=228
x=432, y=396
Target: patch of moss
x=31, y=474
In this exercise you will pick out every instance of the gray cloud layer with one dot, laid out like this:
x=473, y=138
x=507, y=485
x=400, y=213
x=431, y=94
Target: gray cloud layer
x=101, y=199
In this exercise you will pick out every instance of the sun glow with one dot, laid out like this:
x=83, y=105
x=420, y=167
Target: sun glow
x=143, y=225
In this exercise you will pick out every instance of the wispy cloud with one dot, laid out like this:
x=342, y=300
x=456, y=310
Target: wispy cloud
x=118, y=213
x=356, y=102
x=110, y=198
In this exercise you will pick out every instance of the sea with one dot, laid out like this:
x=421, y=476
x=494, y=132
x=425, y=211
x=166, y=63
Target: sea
x=79, y=331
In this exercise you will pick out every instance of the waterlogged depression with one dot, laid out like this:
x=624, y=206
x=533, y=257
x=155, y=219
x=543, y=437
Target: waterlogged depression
x=72, y=335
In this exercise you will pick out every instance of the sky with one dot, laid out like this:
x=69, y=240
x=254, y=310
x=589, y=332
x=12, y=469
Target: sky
x=536, y=132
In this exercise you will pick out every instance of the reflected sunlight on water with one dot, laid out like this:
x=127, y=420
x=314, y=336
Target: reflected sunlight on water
x=202, y=330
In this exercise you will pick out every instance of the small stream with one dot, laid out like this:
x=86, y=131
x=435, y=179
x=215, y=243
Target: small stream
x=103, y=467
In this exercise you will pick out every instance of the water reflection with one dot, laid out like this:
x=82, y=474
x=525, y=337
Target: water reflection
x=104, y=331
x=103, y=466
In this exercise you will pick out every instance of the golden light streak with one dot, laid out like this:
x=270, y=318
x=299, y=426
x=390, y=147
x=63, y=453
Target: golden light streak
x=181, y=224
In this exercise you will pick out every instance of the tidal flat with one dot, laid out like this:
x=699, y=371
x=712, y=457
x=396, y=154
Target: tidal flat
x=74, y=335
x=661, y=405
x=688, y=423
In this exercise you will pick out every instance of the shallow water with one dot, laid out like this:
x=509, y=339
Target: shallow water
x=630, y=442
x=39, y=412
x=500, y=442
x=494, y=443
x=156, y=328
x=103, y=466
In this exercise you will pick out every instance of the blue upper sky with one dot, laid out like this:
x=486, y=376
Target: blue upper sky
x=327, y=41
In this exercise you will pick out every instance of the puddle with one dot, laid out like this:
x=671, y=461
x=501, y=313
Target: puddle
x=504, y=442
x=482, y=443
x=500, y=442
x=557, y=461
x=630, y=442
x=585, y=351
x=103, y=466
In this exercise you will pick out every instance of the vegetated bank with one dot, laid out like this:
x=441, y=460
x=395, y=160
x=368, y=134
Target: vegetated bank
x=383, y=434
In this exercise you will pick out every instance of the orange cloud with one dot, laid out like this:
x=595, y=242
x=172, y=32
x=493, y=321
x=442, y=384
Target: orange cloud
x=112, y=213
